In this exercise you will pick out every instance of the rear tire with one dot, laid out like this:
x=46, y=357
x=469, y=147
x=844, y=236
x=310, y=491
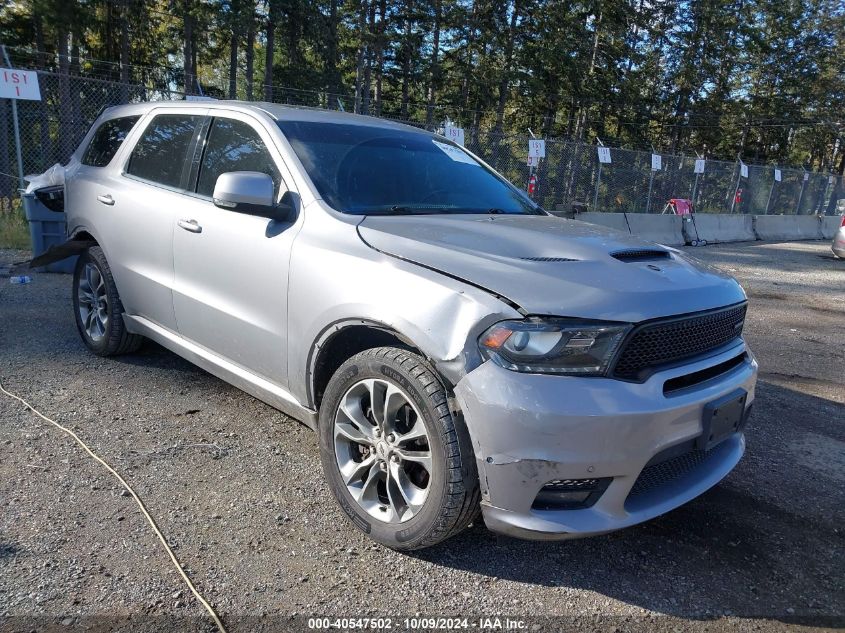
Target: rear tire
x=97, y=307
x=399, y=464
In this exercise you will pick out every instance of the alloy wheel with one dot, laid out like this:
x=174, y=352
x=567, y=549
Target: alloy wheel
x=93, y=301
x=382, y=450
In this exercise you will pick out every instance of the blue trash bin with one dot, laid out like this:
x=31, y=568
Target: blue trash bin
x=46, y=228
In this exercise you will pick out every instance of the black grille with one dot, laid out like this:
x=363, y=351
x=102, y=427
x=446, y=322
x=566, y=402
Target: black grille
x=653, y=477
x=548, y=259
x=663, y=342
x=636, y=255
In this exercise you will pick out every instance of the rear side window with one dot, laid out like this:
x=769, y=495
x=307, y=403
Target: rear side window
x=234, y=146
x=160, y=154
x=107, y=140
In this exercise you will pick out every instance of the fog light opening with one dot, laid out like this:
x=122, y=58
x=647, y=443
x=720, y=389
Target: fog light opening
x=570, y=494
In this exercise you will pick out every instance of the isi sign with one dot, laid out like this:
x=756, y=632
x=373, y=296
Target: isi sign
x=19, y=84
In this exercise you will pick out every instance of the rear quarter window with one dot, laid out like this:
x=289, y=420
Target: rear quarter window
x=159, y=155
x=107, y=140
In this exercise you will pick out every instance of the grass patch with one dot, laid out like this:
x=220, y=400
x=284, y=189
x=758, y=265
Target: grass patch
x=14, y=229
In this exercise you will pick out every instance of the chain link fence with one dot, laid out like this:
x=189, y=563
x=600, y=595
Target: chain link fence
x=570, y=178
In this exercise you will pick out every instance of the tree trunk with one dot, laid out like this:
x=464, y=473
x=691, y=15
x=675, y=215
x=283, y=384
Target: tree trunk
x=368, y=67
x=233, y=61
x=124, y=54
x=470, y=44
x=187, y=47
x=250, y=52
x=63, y=42
x=332, y=78
x=43, y=119
x=434, y=64
x=504, y=84
x=380, y=54
x=77, y=124
x=406, y=58
x=362, y=50
x=270, y=52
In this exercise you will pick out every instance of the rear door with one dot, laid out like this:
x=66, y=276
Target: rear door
x=231, y=269
x=139, y=204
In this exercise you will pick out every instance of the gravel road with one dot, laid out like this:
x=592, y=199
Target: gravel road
x=237, y=489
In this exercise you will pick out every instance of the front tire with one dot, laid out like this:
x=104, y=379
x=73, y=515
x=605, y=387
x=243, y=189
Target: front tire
x=397, y=461
x=97, y=307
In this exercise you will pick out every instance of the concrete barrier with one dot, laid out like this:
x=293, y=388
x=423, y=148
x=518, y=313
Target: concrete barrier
x=611, y=220
x=787, y=227
x=663, y=229
x=714, y=228
x=830, y=225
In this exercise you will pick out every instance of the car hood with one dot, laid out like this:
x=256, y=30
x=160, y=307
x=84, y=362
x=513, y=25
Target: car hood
x=552, y=266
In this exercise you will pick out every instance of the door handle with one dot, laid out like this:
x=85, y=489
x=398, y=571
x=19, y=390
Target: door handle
x=106, y=198
x=190, y=225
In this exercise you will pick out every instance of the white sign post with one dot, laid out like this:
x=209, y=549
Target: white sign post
x=604, y=158
x=536, y=148
x=699, y=166
x=656, y=164
x=778, y=175
x=743, y=170
x=455, y=134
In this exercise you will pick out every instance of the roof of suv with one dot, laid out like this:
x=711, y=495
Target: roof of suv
x=277, y=111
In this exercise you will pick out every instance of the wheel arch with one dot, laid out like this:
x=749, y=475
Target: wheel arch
x=340, y=341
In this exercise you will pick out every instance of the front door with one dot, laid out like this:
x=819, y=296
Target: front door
x=230, y=291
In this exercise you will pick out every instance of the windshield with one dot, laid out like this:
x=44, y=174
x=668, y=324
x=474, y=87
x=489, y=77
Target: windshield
x=368, y=170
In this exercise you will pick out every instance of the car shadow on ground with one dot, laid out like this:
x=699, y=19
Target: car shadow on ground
x=766, y=542
x=154, y=356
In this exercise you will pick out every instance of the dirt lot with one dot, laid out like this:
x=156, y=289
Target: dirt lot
x=238, y=491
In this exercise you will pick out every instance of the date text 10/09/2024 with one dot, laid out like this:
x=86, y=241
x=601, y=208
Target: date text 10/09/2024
x=417, y=623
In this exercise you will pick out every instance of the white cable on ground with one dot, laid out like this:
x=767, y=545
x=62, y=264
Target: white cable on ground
x=140, y=503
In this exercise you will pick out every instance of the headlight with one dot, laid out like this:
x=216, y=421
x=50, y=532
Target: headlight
x=553, y=346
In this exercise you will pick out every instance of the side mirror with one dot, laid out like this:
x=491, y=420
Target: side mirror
x=249, y=192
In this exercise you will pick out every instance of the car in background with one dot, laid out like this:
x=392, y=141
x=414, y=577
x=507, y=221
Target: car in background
x=838, y=246
x=456, y=348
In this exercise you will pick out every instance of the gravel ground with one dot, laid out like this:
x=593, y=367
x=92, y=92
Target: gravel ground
x=237, y=489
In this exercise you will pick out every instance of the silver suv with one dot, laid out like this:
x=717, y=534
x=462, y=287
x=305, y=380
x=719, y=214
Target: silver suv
x=455, y=347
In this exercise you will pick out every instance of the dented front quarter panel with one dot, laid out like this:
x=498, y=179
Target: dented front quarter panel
x=337, y=280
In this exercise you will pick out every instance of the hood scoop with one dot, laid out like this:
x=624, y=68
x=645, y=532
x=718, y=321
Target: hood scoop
x=548, y=259
x=640, y=254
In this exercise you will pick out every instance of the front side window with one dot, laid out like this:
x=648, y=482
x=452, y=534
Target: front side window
x=371, y=170
x=161, y=152
x=107, y=140
x=234, y=146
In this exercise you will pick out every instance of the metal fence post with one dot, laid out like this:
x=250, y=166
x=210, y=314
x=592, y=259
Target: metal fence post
x=17, y=127
x=804, y=179
x=736, y=188
x=771, y=191
x=650, y=186
x=596, y=196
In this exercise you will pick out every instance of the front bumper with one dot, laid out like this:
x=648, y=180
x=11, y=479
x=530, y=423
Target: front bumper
x=530, y=429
